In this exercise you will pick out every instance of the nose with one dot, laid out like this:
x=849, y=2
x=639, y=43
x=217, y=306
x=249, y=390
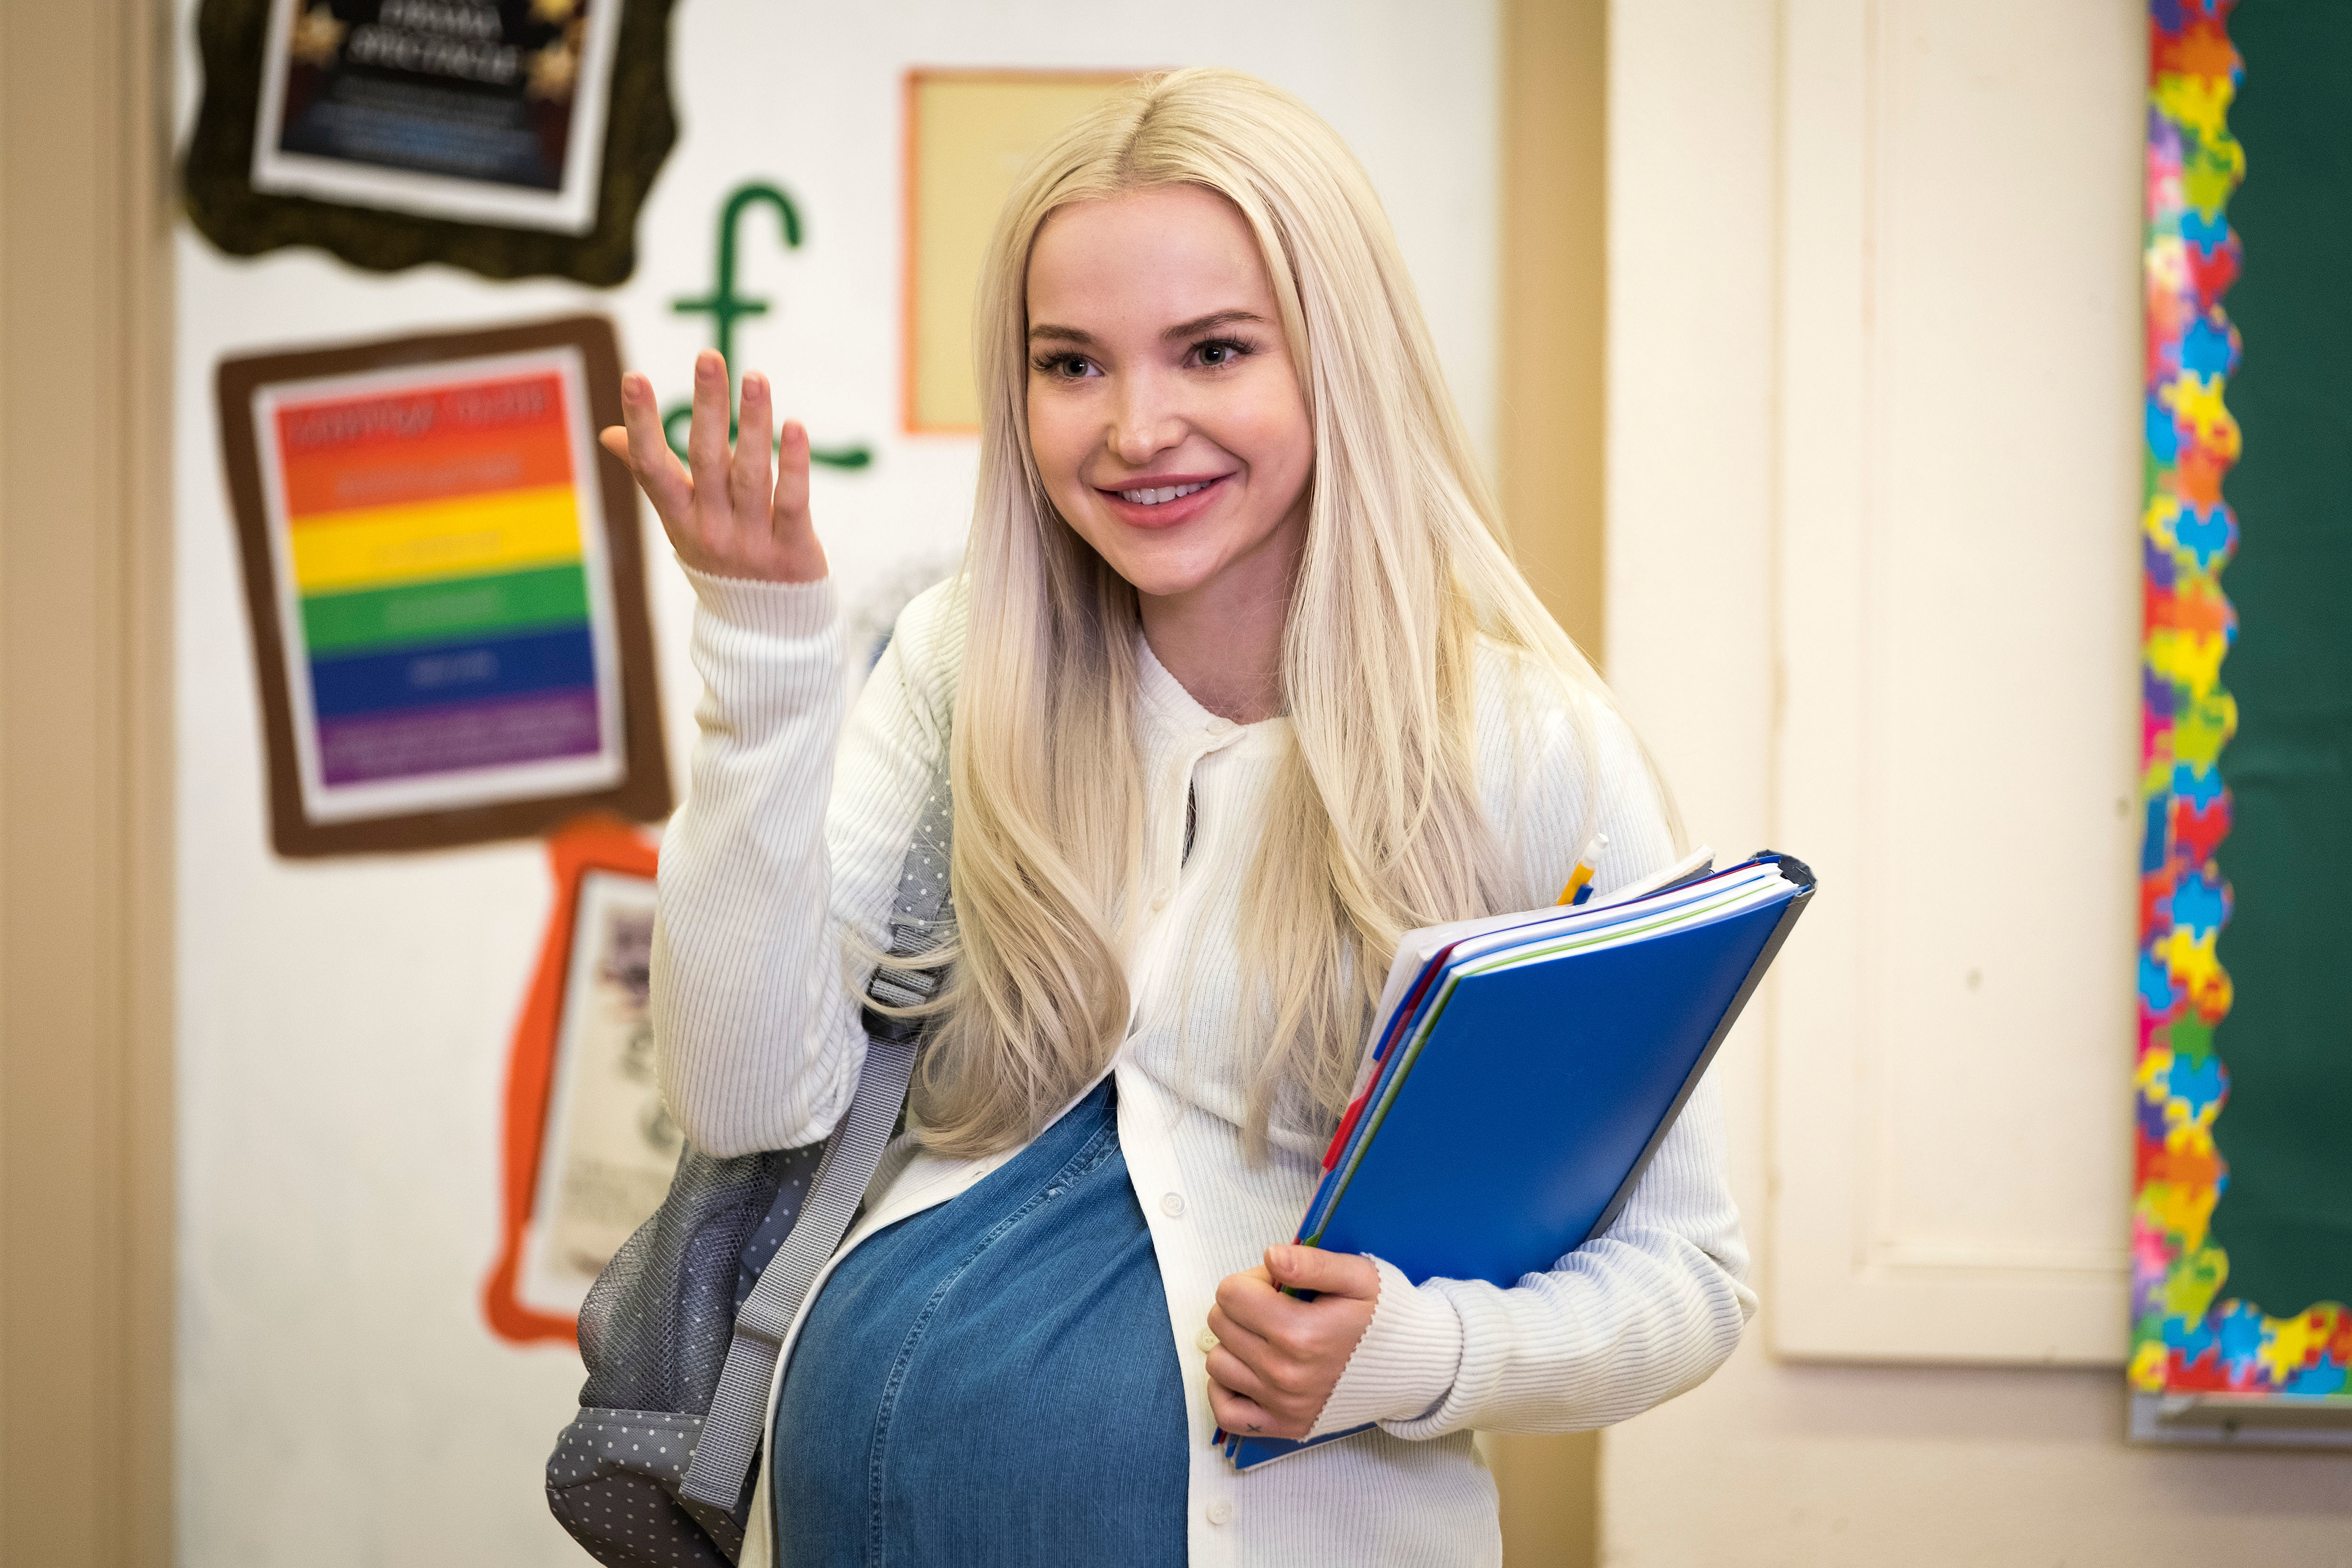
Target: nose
x=1144, y=419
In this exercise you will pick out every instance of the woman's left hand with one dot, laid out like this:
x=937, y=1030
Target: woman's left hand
x=1277, y=1358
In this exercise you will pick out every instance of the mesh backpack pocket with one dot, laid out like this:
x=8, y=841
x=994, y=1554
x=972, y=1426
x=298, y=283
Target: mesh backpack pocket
x=653, y=1334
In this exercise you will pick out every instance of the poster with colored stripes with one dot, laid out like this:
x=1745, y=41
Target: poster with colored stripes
x=441, y=580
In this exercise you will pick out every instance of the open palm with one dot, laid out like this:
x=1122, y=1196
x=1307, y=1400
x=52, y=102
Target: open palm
x=727, y=512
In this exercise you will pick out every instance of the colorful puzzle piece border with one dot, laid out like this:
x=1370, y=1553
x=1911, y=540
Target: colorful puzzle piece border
x=2185, y=1338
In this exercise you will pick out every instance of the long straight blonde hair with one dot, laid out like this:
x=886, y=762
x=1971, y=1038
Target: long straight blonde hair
x=1377, y=826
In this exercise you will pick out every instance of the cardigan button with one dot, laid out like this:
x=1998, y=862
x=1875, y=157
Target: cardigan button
x=1171, y=1204
x=1207, y=1341
x=1220, y=1511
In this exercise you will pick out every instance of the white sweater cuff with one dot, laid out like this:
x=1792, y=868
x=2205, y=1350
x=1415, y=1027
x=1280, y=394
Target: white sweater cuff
x=1403, y=1367
x=764, y=609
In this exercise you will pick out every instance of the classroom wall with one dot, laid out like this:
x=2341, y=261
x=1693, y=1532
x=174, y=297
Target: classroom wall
x=1818, y=1464
x=344, y=1025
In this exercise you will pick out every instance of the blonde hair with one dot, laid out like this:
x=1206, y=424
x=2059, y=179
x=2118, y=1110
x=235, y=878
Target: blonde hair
x=1376, y=827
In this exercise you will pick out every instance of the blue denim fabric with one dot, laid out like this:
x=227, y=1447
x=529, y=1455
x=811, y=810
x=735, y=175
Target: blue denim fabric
x=991, y=1382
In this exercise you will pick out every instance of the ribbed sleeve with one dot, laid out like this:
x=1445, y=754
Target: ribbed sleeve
x=765, y=896
x=1404, y=1363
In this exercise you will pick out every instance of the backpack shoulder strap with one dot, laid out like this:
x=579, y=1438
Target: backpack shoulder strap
x=919, y=921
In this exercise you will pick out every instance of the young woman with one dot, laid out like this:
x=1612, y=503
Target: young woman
x=1238, y=685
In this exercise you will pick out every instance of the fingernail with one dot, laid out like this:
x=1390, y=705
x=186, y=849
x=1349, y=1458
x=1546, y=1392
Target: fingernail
x=755, y=382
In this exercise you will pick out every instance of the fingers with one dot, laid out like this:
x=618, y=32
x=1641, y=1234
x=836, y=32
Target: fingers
x=1278, y=1370
x=748, y=475
x=791, y=533
x=1246, y=1342
x=1292, y=1394
x=1278, y=1354
x=793, y=479
x=717, y=508
x=1251, y=1300
x=646, y=451
x=706, y=446
x=1245, y=1417
x=1325, y=1273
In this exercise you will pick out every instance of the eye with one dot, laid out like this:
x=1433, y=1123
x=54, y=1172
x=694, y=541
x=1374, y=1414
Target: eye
x=1063, y=367
x=1219, y=352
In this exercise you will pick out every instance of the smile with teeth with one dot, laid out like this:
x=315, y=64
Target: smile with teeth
x=1165, y=493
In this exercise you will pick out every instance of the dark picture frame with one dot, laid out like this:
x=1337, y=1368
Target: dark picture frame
x=217, y=192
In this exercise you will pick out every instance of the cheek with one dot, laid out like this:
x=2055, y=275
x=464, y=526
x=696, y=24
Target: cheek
x=1274, y=434
x=1051, y=434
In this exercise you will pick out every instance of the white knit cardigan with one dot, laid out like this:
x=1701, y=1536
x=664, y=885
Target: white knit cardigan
x=767, y=887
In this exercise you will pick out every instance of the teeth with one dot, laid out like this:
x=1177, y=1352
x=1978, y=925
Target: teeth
x=1165, y=493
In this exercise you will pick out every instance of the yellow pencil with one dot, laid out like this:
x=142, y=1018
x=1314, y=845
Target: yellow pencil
x=1580, y=878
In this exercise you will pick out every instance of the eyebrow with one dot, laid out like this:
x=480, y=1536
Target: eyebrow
x=1045, y=332
x=1210, y=322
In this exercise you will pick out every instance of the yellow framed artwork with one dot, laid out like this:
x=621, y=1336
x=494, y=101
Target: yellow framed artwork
x=968, y=134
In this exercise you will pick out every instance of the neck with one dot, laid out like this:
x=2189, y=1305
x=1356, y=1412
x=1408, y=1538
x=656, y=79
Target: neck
x=1224, y=648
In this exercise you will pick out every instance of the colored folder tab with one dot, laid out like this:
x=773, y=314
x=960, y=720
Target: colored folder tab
x=1560, y=1045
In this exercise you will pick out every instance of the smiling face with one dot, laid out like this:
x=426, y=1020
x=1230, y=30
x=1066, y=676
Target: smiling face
x=1164, y=411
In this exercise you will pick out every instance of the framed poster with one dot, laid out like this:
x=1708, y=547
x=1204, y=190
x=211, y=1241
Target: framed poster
x=444, y=578
x=452, y=109
x=2241, y=1220
x=510, y=137
x=588, y=1147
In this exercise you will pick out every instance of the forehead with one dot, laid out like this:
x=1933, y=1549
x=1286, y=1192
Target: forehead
x=1143, y=261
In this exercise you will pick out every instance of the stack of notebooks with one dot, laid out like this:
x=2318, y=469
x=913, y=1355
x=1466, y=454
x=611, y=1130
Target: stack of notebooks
x=1526, y=1066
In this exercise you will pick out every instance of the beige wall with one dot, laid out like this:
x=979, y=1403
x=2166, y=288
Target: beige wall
x=1774, y=1462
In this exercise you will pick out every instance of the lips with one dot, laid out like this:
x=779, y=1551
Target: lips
x=1163, y=500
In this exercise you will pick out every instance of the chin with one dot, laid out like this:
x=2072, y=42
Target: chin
x=1156, y=569
x=1160, y=580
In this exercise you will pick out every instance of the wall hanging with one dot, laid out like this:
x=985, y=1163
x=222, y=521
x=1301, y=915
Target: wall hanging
x=510, y=137
x=589, y=1148
x=444, y=580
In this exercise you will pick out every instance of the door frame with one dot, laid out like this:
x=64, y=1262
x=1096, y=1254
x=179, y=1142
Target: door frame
x=86, y=785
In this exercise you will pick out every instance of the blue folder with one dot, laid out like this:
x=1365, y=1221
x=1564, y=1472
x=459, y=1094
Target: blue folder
x=1557, y=1063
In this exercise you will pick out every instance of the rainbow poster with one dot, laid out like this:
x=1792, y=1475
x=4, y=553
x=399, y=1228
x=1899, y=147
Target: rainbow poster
x=439, y=565
x=449, y=622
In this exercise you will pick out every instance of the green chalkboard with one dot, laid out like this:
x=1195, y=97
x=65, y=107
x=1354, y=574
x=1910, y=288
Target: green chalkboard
x=2285, y=1217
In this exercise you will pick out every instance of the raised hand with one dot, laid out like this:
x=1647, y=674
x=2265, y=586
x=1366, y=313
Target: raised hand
x=729, y=513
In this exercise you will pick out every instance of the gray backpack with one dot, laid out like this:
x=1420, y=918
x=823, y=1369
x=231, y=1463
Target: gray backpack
x=681, y=1331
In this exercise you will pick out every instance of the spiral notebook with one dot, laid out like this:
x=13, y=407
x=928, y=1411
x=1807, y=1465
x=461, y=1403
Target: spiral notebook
x=1558, y=1045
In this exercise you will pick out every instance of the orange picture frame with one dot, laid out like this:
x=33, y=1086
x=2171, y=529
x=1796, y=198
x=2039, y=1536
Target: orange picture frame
x=586, y=845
